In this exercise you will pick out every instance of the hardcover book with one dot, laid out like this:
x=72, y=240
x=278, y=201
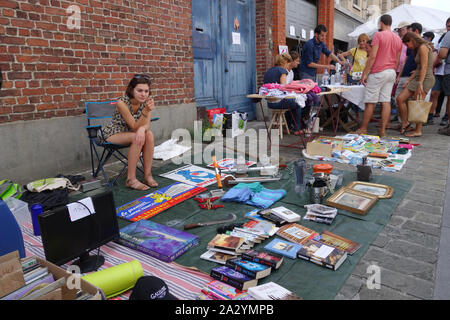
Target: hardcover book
x=272, y=260
x=339, y=242
x=157, y=240
x=252, y=269
x=272, y=291
x=234, y=278
x=296, y=233
x=226, y=242
x=216, y=256
x=283, y=247
x=321, y=254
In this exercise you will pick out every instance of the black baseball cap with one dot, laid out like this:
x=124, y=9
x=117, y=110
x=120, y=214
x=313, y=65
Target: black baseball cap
x=151, y=288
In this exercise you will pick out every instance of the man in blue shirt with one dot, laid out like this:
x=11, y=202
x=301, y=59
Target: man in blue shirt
x=311, y=53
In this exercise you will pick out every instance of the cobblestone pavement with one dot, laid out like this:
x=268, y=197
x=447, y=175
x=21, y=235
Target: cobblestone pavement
x=407, y=250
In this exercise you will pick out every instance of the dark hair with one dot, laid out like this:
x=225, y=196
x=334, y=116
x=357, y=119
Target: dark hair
x=386, y=19
x=320, y=28
x=418, y=40
x=442, y=37
x=429, y=34
x=294, y=55
x=137, y=79
x=448, y=20
x=416, y=27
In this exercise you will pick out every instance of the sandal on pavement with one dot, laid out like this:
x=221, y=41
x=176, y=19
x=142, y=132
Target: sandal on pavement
x=381, y=134
x=136, y=185
x=412, y=134
x=406, y=128
x=151, y=182
x=359, y=132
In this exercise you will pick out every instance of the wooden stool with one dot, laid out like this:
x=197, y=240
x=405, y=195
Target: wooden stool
x=278, y=120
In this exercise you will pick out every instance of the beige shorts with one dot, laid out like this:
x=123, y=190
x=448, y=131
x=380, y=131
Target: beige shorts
x=379, y=86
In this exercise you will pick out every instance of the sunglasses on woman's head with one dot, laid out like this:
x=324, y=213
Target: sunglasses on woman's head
x=139, y=76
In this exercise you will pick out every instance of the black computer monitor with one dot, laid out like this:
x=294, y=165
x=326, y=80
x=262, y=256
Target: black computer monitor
x=64, y=240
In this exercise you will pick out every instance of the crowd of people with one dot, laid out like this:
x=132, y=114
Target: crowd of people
x=395, y=66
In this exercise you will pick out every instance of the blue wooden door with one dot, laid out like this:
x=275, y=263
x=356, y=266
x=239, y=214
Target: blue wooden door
x=224, y=54
x=238, y=41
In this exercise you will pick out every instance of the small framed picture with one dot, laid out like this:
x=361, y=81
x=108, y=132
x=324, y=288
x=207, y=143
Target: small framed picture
x=380, y=190
x=352, y=200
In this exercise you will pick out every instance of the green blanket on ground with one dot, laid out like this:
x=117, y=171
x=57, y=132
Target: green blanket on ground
x=306, y=279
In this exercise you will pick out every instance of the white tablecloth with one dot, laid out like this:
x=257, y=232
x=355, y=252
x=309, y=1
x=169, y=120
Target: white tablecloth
x=355, y=95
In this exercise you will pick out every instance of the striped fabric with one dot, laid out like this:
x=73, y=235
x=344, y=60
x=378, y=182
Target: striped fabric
x=183, y=282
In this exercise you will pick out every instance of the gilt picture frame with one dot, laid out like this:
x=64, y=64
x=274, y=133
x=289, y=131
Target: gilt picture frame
x=352, y=200
x=382, y=191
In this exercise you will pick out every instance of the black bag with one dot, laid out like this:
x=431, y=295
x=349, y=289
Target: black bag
x=446, y=84
x=227, y=123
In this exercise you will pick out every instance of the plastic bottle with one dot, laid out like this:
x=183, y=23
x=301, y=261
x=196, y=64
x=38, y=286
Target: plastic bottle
x=325, y=78
x=299, y=176
x=332, y=82
x=36, y=209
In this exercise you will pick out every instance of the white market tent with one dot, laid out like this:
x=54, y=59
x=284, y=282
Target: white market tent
x=431, y=20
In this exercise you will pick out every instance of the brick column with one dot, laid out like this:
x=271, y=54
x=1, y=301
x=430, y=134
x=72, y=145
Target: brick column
x=325, y=16
x=278, y=24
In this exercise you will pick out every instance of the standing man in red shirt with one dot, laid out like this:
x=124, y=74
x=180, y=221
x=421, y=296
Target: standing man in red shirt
x=380, y=73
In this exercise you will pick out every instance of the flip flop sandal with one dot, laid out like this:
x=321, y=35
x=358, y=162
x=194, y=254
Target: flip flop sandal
x=153, y=183
x=137, y=185
x=406, y=128
x=412, y=135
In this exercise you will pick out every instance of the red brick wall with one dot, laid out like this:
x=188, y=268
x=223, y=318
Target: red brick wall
x=270, y=33
x=50, y=70
x=263, y=21
x=325, y=16
x=278, y=24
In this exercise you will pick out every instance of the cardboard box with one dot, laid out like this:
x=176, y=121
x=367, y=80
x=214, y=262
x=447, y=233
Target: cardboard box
x=317, y=147
x=12, y=279
x=70, y=294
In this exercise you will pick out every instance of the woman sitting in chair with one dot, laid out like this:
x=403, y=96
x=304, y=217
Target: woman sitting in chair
x=278, y=74
x=130, y=125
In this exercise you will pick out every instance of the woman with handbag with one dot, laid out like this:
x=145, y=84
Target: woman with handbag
x=359, y=55
x=418, y=84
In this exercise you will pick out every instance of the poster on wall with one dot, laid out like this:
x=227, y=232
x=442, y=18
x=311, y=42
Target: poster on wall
x=283, y=49
x=162, y=199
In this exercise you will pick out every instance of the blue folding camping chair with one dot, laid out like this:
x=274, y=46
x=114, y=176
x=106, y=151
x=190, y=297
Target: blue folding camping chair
x=95, y=113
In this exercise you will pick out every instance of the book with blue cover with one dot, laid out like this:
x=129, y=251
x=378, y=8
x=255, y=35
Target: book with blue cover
x=252, y=269
x=157, y=240
x=283, y=247
x=232, y=277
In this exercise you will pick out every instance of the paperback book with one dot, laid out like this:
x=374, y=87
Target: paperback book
x=263, y=227
x=226, y=243
x=234, y=278
x=296, y=233
x=272, y=217
x=272, y=291
x=321, y=254
x=272, y=260
x=216, y=256
x=339, y=242
x=157, y=240
x=252, y=269
x=286, y=214
x=217, y=290
x=283, y=247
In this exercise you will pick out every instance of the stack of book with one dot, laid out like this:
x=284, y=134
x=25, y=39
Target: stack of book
x=217, y=290
x=244, y=272
x=322, y=254
x=40, y=284
x=320, y=213
x=279, y=215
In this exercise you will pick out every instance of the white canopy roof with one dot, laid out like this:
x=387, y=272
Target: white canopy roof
x=431, y=19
